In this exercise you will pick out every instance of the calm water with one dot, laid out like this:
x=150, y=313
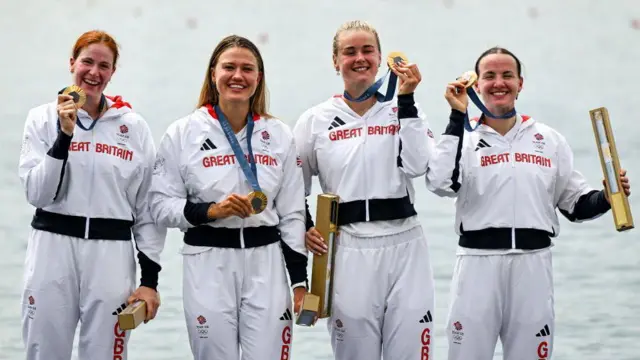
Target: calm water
x=577, y=56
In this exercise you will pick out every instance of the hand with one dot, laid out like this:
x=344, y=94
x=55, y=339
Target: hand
x=298, y=296
x=234, y=205
x=314, y=242
x=150, y=297
x=409, y=76
x=67, y=112
x=625, y=184
x=456, y=95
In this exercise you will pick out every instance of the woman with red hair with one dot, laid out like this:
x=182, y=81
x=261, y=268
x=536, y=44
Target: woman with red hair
x=86, y=164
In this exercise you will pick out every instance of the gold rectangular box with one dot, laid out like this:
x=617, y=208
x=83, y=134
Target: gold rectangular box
x=309, y=310
x=133, y=315
x=323, y=265
x=610, y=163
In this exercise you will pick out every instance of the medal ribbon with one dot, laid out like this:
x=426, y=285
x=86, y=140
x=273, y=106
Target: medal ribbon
x=250, y=171
x=476, y=100
x=373, y=89
x=103, y=102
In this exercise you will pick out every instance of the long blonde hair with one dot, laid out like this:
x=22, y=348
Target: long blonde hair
x=258, y=103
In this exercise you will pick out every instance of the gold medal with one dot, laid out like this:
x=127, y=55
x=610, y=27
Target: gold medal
x=396, y=57
x=470, y=76
x=79, y=96
x=258, y=201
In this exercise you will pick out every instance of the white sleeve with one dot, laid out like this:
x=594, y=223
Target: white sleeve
x=149, y=237
x=444, y=175
x=290, y=206
x=416, y=140
x=42, y=165
x=576, y=200
x=304, y=141
x=168, y=194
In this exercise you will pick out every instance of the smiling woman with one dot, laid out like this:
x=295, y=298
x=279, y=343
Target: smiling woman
x=366, y=148
x=511, y=175
x=91, y=196
x=235, y=89
x=228, y=176
x=92, y=64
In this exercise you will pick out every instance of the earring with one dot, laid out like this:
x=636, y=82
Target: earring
x=337, y=72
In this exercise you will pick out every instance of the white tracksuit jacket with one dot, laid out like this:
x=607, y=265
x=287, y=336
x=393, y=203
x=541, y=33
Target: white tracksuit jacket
x=368, y=161
x=508, y=188
x=100, y=174
x=196, y=166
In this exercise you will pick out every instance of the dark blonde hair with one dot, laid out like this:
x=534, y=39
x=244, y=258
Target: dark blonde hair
x=209, y=94
x=355, y=25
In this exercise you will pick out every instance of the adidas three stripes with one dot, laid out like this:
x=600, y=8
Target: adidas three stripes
x=507, y=296
x=384, y=294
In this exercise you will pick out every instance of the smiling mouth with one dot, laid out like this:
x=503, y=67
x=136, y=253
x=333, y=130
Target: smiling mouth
x=360, y=69
x=237, y=86
x=91, y=82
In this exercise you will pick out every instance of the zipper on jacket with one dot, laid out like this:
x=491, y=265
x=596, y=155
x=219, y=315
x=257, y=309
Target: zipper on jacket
x=92, y=158
x=364, y=164
x=241, y=179
x=513, y=172
x=242, y=234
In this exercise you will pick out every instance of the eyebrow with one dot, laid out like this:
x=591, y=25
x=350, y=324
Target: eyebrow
x=242, y=64
x=491, y=72
x=350, y=47
x=94, y=60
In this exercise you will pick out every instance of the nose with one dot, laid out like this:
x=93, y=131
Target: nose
x=499, y=81
x=237, y=75
x=94, y=70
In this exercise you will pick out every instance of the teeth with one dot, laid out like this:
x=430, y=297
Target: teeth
x=234, y=86
x=91, y=82
x=359, y=69
x=500, y=93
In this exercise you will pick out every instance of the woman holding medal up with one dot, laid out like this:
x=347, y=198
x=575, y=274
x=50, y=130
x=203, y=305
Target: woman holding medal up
x=227, y=176
x=366, y=147
x=510, y=173
x=86, y=165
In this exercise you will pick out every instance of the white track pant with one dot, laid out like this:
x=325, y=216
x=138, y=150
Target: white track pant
x=69, y=279
x=510, y=296
x=383, y=298
x=238, y=299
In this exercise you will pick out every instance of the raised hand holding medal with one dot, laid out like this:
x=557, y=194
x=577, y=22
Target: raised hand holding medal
x=467, y=80
x=257, y=198
x=397, y=63
x=408, y=74
x=456, y=93
x=70, y=99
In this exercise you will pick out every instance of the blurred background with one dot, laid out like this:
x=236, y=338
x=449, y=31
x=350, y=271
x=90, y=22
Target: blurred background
x=577, y=55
